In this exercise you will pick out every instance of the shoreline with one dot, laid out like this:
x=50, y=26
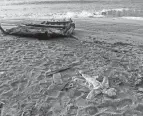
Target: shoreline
x=108, y=29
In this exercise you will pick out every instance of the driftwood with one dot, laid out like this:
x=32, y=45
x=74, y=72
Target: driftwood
x=62, y=68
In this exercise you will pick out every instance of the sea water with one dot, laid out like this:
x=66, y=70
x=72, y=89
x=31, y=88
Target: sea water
x=129, y=9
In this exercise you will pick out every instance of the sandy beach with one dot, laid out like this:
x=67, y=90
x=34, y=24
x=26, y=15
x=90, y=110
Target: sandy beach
x=104, y=47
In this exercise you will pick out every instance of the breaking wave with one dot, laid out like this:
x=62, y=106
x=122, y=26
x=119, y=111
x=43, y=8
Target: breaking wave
x=82, y=14
x=119, y=12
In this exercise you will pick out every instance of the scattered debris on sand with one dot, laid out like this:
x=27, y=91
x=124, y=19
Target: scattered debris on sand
x=47, y=78
x=95, y=86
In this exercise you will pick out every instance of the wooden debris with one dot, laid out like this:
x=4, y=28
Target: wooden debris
x=56, y=22
x=62, y=68
x=50, y=26
x=47, y=29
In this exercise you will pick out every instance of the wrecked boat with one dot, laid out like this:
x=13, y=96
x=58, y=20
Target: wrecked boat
x=44, y=29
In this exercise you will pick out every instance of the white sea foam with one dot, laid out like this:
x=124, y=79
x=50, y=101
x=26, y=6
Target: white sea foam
x=84, y=13
x=118, y=12
x=134, y=18
x=116, y=9
x=100, y=13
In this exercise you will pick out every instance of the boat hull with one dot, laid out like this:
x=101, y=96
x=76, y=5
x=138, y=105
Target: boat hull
x=42, y=30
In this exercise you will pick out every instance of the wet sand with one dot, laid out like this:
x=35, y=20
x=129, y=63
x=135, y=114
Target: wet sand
x=107, y=47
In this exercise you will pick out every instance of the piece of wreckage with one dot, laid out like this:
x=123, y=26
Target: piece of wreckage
x=95, y=86
x=45, y=29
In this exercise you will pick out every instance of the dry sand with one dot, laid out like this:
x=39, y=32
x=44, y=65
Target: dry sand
x=105, y=47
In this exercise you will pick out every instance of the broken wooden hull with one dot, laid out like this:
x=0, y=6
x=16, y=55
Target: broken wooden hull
x=42, y=30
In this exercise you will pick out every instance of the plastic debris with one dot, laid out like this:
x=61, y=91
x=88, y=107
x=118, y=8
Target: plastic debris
x=111, y=92
x=105, y=83
x=57, y=78
x=79, y=81
x=90, y=95
x=90, y=80
x=97, y=87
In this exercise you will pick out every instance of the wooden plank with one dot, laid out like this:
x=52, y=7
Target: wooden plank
x=63, y=68
x=56, y=22
x=42, y=25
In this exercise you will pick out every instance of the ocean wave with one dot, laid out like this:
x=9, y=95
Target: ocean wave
x=90, y=14
x=82, y=14
x=108, y=11
x=118, y=12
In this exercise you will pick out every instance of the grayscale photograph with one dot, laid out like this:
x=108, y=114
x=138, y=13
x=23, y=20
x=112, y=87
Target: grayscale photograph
x=71, y=57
